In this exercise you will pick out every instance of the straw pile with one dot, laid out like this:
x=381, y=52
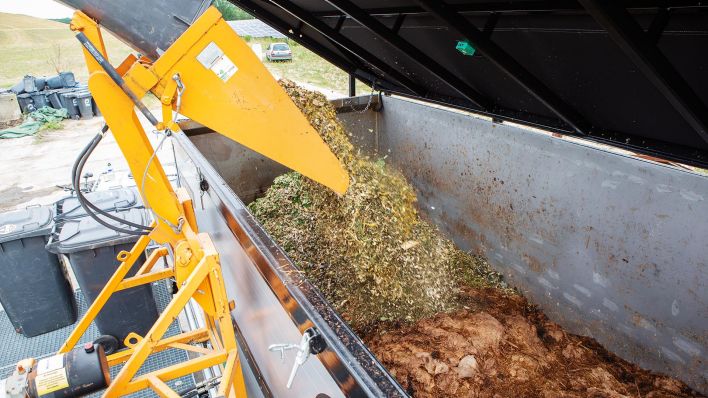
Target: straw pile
x=369, y=251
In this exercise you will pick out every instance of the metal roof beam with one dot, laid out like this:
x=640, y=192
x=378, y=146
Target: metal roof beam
x=517, y=7
x=639, y=47
x=342, y=41
x=502, y=60
x=347, y=65
x=397, y=42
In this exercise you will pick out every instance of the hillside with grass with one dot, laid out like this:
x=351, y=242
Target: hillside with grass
x=35, y=46
x=40, y=47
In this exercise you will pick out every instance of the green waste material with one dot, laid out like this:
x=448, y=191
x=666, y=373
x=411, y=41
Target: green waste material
x=466, y=48
x=34, y=122
x=369, y=251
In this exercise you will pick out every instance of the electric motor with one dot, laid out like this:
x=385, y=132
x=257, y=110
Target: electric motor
x=77, y=373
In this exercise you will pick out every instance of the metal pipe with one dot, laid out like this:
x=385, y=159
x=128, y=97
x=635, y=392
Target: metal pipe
x=113, y=73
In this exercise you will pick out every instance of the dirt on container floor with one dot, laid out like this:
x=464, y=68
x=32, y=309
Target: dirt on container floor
x=441, y=321
x=498, y=345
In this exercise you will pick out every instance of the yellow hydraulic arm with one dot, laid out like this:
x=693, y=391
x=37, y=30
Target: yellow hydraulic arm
x=211, y=76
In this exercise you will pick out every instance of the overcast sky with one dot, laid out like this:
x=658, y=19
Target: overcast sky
x=36, y=8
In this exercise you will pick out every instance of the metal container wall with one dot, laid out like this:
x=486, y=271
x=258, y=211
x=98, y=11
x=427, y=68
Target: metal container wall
x=608, y=245
x=274, y=303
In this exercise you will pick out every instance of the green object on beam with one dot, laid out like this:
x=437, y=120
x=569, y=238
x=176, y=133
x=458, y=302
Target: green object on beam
x=466, y=48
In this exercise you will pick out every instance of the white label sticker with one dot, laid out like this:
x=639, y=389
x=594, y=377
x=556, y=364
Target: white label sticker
x=51, y=375
x=52, y=363
x=214, y=59
x=7, y=229
x=51, y=381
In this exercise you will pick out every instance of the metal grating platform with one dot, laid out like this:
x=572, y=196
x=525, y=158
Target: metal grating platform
x=14, y=346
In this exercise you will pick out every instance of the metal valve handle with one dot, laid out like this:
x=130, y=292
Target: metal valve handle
x=311, y=343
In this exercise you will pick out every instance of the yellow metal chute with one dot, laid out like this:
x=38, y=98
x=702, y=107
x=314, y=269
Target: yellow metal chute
x=229, y=90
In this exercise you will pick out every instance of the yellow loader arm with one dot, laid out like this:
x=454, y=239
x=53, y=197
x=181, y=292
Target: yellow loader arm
x=211, y=76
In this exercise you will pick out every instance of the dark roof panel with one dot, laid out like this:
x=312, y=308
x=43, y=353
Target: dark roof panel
x=630, y=73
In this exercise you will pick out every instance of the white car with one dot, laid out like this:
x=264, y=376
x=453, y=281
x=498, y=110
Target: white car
x=279, y=52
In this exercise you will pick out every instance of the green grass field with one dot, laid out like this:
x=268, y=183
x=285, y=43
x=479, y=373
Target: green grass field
x=308, y=67
x=39, y=47
x=33, y=46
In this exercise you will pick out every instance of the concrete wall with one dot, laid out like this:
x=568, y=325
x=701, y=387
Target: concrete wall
x=9, y=109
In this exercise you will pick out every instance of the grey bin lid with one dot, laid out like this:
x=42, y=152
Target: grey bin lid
x=87, y=234
x=110, y=200
x=26, y=223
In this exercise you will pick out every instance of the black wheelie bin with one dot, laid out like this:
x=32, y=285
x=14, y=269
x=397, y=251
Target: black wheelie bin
x=34, y=287
x=112, y=200
x=92, y=249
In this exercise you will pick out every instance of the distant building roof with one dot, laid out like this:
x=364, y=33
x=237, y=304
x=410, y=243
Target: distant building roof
x=255, y=28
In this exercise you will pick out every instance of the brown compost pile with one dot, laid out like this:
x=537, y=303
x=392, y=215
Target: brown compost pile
x=368, y=251
x=497, y=345
x=441, y=321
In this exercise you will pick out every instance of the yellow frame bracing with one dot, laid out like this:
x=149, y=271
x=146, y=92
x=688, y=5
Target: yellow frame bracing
x=246, y=105
x=204, y=278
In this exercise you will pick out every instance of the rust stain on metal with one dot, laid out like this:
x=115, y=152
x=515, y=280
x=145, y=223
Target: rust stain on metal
x=533, y=263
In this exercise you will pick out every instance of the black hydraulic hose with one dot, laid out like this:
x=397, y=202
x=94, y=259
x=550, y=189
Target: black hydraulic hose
x=76, y=180
x=86, y=205
x=113, y=73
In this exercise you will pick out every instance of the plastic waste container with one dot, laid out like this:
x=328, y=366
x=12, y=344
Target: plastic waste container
x=71, y=104
x=39, y=99
x=34, y=288
x=83, y=99
x=112, y=200
x=53, y=97
x=62, y=97
x=29, y=84
x=18, y=88
x=25, y=102
x=92, y=250
x=55, y=82
x=40, y=83
x=68, y=79
x=96, y=111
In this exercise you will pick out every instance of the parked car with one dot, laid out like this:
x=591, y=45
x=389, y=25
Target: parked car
x=279, y=52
